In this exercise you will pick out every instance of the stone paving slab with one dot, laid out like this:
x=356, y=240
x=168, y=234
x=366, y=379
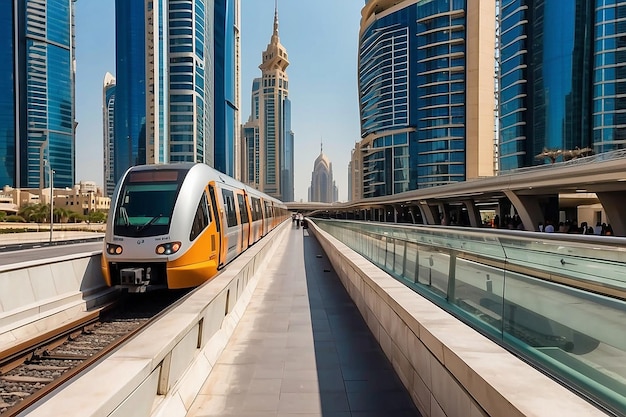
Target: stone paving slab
x=302, y=349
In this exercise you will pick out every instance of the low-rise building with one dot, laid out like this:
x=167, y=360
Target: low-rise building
x=83, y=198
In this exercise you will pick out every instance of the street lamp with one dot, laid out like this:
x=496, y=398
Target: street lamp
x=51, y=174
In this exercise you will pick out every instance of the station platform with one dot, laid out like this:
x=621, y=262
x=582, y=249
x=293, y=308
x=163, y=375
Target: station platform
x=302, y=349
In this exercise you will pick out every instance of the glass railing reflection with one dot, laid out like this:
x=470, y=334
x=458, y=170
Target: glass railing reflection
x=527, y=291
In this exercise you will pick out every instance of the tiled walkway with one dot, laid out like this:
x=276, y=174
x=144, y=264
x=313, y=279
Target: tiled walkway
x=302, y=349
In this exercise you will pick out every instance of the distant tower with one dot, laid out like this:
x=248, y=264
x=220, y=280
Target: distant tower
x=267, y=149
x=108, y=132
x=323, y=187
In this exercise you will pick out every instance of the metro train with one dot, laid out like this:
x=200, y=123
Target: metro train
x=175, y=225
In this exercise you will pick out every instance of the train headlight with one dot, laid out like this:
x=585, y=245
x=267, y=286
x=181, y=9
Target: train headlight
x=113, y=249
x=168, y=248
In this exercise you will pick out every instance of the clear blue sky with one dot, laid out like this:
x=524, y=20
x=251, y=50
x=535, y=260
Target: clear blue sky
x=321, y=38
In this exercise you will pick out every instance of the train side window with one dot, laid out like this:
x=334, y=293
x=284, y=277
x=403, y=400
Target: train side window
x=243, y=211
x=215, y=207
x=201, y=219
x=268, y=214
x=256, y=203
x=229, y=204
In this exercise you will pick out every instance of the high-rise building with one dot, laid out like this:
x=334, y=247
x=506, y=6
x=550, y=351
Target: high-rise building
x=545, y=79
x=177, y=82
x=267, y=150
x=108, y=132
x=37, y=112
x=561, y=86
x=426, y=94
x=227, y=86
x=130, y=90
x=323, y=188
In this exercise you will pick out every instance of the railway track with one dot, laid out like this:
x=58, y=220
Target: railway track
x=35, y=368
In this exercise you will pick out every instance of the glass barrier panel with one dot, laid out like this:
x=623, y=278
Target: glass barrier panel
x=502, y=284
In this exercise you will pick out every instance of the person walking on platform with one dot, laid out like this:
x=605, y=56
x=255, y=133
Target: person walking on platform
x=298, y=220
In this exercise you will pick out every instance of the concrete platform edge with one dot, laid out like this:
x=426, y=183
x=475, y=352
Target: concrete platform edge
x=159, y=372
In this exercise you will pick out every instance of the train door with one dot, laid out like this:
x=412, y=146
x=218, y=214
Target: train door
x=232, y=233
x=218, y=224
x=245, y=221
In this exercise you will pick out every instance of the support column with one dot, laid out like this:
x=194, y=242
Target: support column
x=528, y=208
x=427, y=213
x=412, y=213
x=444, y=214
x=613, y=203
x=473, y=213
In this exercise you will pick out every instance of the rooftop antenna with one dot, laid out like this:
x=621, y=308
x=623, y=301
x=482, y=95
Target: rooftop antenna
x=276, y=17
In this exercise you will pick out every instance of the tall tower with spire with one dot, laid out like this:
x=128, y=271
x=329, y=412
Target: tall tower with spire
x=267, y=140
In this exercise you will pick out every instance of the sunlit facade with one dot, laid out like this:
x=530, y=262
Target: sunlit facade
x=426, y=102
x=37, y=111
x=267, y=143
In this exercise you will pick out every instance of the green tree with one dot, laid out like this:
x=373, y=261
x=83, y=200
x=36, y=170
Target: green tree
x=61, y=215
x=97, y=217
x=38, y=213
x=74, y=217
x=3, y=215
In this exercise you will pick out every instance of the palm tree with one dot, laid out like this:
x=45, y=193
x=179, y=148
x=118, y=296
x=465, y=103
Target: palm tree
x=41, y=213
x=61, y=215
x=37, y=213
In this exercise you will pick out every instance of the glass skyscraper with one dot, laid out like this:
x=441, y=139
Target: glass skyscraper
x=37, y=105
x=226, y=88
x=423, y=67
x=130, y=94
x=176, y=82
x=8, y=86
x=562, y=86
x=609, y=75
x=108, y=132
x=545, y=72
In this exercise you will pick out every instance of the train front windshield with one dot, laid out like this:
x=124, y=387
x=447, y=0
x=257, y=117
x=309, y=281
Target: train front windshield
x=146, y=202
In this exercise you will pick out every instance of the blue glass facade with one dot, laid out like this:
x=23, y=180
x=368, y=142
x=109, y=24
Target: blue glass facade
x=130, y=105
x=168, y=106
x=287, y=168
x=8, y=174
x=37, y=74
x=441, y=101
x=225, y=91
x=609, y=76
x=109, y=135
x=412, y=73
x=386, y=57
x=545, y=73
x=191, y=81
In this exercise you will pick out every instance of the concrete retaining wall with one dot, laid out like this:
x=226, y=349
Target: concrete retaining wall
x=448, y=368
x=43, y=294
x=161, y=370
